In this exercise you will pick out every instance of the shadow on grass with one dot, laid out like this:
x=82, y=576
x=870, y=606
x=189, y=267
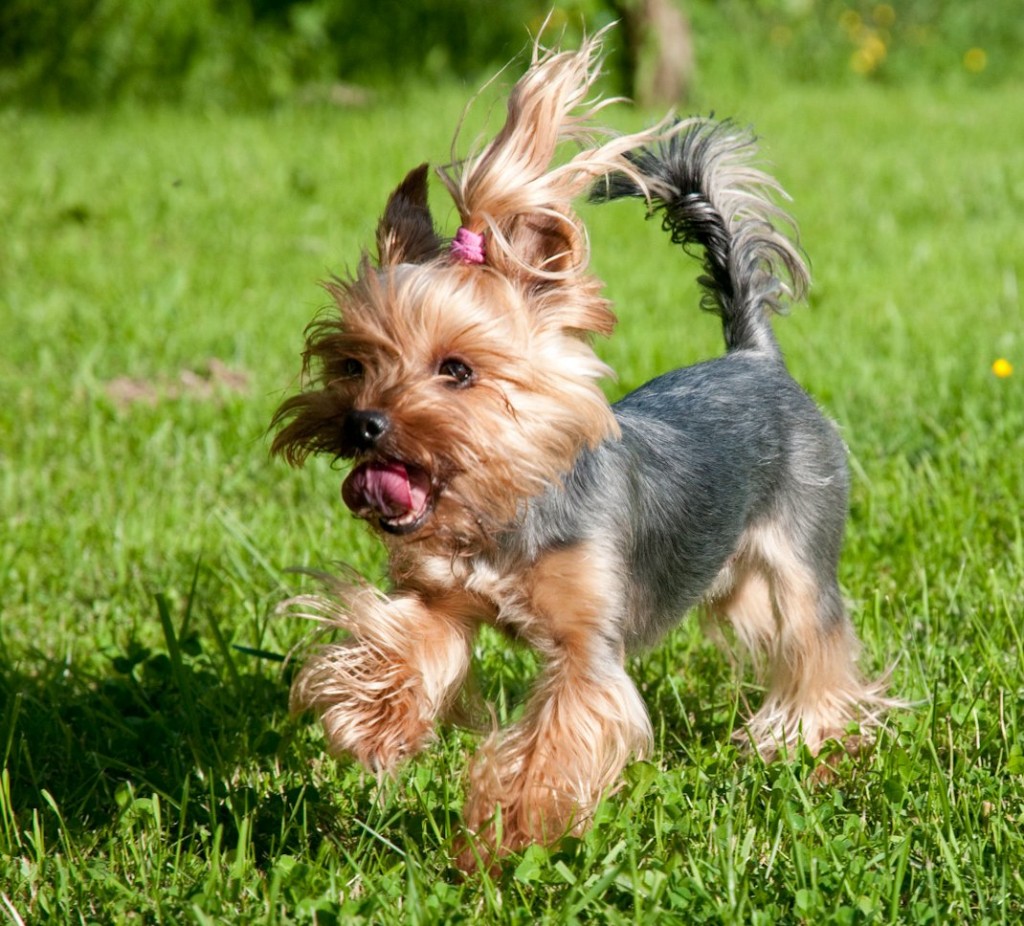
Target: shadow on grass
x=695, y=696
x=195, y=723
x=204, y=727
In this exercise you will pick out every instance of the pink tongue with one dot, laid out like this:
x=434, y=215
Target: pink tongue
x=388, y=488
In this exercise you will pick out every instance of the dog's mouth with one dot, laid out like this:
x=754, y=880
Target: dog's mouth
x=397, y=495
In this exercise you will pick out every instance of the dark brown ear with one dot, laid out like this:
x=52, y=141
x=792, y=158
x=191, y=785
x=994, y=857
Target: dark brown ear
x=405, y=234
x=554, y=247
x=548, y=244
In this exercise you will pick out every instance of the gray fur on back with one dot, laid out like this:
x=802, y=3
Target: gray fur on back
x=706, y=452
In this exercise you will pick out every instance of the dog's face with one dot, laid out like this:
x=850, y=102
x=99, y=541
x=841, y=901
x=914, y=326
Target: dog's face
x=457, y=391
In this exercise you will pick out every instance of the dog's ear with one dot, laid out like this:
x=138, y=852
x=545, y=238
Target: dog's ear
x=549, y=259
x=405, y=233
x=550, y=245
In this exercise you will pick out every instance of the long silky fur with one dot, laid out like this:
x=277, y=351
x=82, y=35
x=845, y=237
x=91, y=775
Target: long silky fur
x=702, y=184
x=510, y=189
x=583, y=529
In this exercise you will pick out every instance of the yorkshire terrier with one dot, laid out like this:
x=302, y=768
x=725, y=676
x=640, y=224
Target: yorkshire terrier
x=459, y=378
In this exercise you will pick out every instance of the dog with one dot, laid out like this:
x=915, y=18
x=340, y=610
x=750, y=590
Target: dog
x=459, y=378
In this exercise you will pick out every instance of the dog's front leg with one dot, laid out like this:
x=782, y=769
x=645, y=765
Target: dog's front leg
x=543, y=776
x=379, y=692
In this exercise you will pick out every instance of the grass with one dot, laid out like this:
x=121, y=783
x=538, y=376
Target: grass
x=151, y=772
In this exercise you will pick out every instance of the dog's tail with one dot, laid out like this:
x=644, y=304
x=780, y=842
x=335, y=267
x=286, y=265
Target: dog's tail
x=700, y=179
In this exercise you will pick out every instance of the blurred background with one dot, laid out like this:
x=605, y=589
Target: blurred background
x=260, y=53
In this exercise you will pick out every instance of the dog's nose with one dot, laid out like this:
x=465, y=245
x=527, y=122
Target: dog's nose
x=364, y=428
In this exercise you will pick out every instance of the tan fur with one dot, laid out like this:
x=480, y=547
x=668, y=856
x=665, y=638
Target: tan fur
x=510, y=189
x=487, y=447
x=744, y=602
x=379, y=692
x=572, y=592
x=815, y=690
x=543, y=776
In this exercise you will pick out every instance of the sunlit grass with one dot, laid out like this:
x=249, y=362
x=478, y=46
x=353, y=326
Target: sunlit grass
x=150, y=768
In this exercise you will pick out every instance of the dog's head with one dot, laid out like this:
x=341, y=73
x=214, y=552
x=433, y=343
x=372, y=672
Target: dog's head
x=457, y=389
x=458, y=377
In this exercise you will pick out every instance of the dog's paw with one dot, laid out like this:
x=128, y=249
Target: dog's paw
x=372, y=705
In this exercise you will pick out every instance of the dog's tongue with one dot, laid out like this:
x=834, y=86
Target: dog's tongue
x=387, y=488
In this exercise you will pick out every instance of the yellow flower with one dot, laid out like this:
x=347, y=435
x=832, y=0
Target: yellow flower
x=850, y=22
x=1002, y=368
x=975, y=60
x=871, y=53
x=884, y=14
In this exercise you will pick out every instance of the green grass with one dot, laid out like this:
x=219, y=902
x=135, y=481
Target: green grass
x=151, y=771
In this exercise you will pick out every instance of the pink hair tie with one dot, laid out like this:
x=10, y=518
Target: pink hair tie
x=468, y=246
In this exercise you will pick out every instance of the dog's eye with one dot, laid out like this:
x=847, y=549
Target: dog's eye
x=351, y=368
x=459, y=372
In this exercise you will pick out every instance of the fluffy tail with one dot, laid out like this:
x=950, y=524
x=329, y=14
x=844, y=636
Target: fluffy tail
x=701, y=181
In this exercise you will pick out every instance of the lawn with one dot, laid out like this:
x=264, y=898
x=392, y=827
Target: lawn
x=156, y=272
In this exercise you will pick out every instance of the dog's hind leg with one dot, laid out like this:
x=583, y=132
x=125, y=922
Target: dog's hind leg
x=815, y=690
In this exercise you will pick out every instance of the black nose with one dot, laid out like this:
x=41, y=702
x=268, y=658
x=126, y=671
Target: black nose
x=363, y=429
